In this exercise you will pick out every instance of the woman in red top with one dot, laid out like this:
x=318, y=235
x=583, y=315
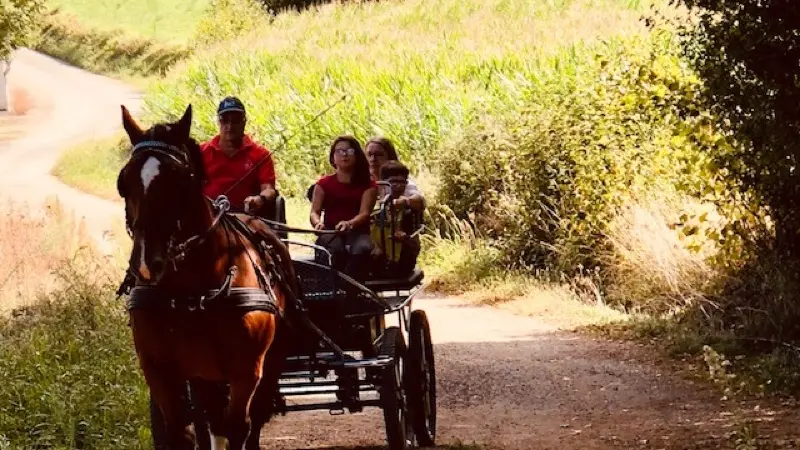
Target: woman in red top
x=346, y=198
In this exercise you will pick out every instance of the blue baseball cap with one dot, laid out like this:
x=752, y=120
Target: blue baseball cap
x=230, y=104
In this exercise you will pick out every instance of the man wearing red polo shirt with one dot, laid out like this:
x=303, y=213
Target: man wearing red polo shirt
x=230, y=155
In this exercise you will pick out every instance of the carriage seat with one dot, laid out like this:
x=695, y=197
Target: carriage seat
x=411, y=281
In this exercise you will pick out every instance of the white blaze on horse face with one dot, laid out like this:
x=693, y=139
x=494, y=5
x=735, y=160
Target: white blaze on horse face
x=149, y=171
x=143, y=269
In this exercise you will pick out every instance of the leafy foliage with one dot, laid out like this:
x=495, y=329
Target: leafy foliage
x=548, y=181
x=18, y=23
x=238, y=17
x=747, y=53
x=278, y=6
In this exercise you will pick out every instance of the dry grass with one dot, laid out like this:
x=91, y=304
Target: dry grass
x=654, y=264
x=556, y=304
x=33, y=245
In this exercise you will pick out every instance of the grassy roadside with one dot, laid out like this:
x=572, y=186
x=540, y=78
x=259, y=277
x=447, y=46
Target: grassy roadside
x=112, y=52
x=166, y=21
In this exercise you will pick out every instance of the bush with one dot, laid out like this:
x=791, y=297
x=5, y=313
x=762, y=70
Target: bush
x=278, y=6
x=70, y=375
x=19, y=22
x=548, y=181
x=238, y=17
x=745, y=51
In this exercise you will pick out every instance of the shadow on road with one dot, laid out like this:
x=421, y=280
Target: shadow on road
x=551, y=390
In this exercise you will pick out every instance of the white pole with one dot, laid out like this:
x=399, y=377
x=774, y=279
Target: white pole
x=5, y=66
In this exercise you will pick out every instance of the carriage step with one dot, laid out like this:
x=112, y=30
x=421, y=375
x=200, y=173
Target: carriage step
x=330, y=406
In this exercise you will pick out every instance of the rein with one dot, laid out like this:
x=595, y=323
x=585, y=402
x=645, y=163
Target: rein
x=177, y=253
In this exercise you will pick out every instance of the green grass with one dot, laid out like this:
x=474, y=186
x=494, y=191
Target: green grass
x=69, y=370
x=132, y=41
x=167, y=21
x=93, y=166
x=415, y=71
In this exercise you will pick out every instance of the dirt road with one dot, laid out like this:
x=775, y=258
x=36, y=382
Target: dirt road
x=505, y=381
x=73, y=106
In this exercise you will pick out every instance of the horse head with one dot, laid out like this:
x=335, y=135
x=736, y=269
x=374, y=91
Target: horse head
x=160, y=183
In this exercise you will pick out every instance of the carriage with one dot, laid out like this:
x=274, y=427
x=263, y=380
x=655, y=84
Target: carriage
x=349, y=354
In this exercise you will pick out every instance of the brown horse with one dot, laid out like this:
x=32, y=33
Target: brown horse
x=209, y=291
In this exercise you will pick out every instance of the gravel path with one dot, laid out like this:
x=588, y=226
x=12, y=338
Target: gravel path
x=505, y=381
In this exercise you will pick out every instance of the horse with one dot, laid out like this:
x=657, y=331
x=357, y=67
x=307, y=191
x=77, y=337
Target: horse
x=209, y=291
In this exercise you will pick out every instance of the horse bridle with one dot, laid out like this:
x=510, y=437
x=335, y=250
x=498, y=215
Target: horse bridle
x=176, y=252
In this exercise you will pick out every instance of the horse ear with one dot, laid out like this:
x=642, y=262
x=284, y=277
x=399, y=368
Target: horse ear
x=184, y=125
x=135, y=133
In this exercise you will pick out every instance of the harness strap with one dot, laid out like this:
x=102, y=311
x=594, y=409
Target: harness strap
x=254, y=238
x=246, y=299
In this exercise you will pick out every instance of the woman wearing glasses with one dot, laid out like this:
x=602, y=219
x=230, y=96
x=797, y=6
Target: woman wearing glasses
x=343, y=201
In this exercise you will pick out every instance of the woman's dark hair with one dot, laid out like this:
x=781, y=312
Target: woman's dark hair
x=361, y=169
x=386, y=144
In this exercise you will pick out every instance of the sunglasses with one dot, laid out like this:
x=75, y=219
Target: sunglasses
x=231, y=119
x=346, y=151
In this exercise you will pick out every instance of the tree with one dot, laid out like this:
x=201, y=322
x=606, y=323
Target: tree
x=19, y=21
x=747, y=53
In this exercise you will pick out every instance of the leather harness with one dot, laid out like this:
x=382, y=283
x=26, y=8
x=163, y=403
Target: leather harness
x=239, y=298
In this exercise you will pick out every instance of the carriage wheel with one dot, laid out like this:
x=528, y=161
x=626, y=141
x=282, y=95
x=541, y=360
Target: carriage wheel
x=420, y=380
x=392, y=392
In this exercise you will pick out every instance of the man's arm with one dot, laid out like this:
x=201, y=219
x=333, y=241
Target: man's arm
x=266, y=180
x=266, y=177
x=268, y=190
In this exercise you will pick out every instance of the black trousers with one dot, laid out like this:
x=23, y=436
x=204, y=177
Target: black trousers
x=350, y=253
x=405, y=263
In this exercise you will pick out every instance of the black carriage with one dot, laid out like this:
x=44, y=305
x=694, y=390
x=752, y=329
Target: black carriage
x=348, y=354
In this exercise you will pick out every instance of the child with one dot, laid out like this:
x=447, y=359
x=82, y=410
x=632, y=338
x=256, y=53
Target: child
x=392, y=233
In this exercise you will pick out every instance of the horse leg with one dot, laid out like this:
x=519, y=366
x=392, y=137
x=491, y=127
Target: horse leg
x=265, y=398
x=168, y=393
x=237, y=423
x=211, y=399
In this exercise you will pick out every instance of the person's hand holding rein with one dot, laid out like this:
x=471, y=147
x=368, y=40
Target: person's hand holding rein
x=253, y=203
x=344, y=226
